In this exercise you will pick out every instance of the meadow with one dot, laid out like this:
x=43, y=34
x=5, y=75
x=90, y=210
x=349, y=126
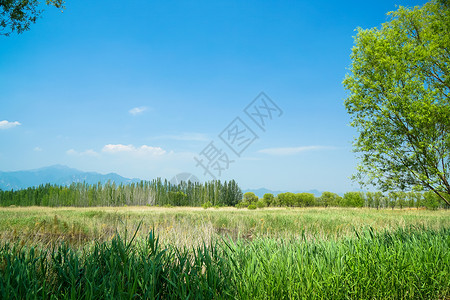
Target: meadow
x=190, y=226
x=224, y=253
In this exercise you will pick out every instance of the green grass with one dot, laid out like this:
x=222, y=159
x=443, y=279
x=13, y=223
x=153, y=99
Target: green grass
x=226, y=253
x=400, y=264
x=191, y=226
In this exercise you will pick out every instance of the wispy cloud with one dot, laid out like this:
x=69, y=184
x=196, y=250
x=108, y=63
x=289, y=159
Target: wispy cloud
x=144, y=149
x=137, y=110
x=37, y=149
x=6, y=124
x=200, y=137
x=293, y=150
x=88, y=152
x=118, y=148
x=71, y=152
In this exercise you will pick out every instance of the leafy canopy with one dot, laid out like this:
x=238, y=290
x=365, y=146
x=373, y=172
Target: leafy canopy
x=399, y=100
x=18, y=15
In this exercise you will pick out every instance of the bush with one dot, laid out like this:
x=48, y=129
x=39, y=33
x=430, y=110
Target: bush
x=260, y=204
x=207, y=205
x=252, y=206
x=242, y=205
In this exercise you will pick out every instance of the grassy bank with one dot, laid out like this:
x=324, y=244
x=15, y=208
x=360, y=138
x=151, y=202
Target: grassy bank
x=226, y=253
x=400, y=264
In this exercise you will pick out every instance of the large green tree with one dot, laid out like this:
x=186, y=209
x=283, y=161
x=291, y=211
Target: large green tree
x=399, y=100
x=250, y=198
x=18, y=15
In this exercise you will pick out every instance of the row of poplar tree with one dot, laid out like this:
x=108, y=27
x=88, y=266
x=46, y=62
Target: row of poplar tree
x=163, y=193
x=155, y=192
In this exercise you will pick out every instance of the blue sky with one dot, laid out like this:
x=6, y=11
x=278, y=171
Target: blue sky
x=140, y=88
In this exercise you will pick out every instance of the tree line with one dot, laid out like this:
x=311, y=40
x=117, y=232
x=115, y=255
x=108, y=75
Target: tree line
x=398, y=199
x=160, y=192
x=155, y=192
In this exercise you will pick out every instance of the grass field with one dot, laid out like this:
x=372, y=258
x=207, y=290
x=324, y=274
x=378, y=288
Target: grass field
x=184, y=226
x=279, y=253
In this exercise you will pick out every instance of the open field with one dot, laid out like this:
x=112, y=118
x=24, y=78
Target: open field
x=226, y=253
x=187, y=226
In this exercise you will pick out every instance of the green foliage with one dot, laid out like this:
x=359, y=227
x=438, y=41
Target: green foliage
x=178, y=198
x=430, y=200
x=445, y=3
x=399, y=100
x=216, y=194
x=251, y=206
x=268, y=198
x=393, y=198
x=286, y=199
x=261, y=204
x=18, y=15
x=377, y=199
x=242, y=205
x=353, y=199
x=250, y=197
x=206, y=205
x=155, y=192
x=295, y=200
x=404, y=264
x=329, y=199
x=305, y=199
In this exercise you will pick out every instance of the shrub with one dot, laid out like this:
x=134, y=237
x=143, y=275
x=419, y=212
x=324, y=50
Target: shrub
x=207, y=205
x=252, y=206
x=242, y=205
x=260, y=204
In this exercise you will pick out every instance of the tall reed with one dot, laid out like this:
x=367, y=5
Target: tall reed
x=410, y=263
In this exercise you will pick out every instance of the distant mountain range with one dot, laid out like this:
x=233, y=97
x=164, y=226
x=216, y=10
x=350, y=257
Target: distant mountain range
x=56, y=174
x=260, y=192
x=63, y=175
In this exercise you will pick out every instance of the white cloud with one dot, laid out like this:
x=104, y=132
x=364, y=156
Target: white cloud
x=37, y=149
x=144, y=149
x=151, y=150
x=6, y=124
x=137, y=110
x=118, y=148
x=88, y=152
x=293, y=150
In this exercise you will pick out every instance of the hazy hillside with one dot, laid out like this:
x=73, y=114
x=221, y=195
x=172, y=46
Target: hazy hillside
x=56, y=174
x=63, y=175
